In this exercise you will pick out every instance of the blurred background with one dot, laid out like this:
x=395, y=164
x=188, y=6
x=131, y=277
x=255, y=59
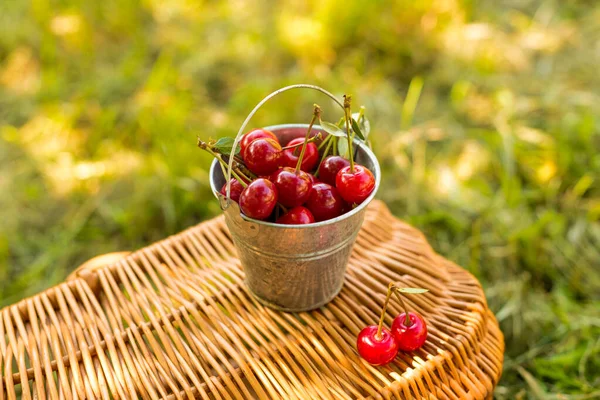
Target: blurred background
x=485, y=116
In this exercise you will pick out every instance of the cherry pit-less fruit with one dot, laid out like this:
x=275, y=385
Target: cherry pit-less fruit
x=263, y=156
x=297, y=216
x=355, y=185
x=293, y=186
x=289, y=158
x=253, y=135
x=377, y=348
x=411, y=333
x=325, y=202
x=259, y=199
x=236, y=190
x=330, y=167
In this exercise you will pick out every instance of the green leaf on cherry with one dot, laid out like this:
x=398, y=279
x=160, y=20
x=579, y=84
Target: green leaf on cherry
x=412, y=290
x=343, y=147
x=332, y=129
x=224, y=145
x=356, y=129
x=363, y=123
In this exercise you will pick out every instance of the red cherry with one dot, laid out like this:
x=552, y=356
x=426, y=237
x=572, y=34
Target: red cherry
x=235, y=190
x=325, y=202
x=330, y=167
x=410, y=337
x=376, y=350
x=258, y=199
x=297, y=216
x=253, y=135
x=293, y=187
x=289, y=157
x=355, y=186
x=262, y=156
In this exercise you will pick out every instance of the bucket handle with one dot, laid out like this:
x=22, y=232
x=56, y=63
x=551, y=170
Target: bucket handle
x=226, y=201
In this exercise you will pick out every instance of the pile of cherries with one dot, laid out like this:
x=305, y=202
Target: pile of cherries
x=296, y=184
x=379, y=346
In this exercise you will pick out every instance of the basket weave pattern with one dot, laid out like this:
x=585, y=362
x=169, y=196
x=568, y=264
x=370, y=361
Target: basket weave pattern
x=174, y=320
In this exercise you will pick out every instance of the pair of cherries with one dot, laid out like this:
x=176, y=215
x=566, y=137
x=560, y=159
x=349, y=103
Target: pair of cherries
x=379, y=346
x=285, y=178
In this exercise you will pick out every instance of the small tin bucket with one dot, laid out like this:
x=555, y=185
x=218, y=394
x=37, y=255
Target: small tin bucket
x=294, y=267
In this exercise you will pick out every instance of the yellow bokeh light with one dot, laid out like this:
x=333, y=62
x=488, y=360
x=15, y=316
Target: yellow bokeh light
x=86, y=170
x=165, y=11
x=66, y=24
x=447, y=182
x=307, y=38
x=547, y=171
x=21, y=72
x=471, y=160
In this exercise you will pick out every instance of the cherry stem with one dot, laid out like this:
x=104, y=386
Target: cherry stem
x=347, y=116
x=223, y=167
x=236, y=173
x=383, y=310
x=325, y=141
x=316, y=114
x=407, y=321
x=312, y=139
x=238, y=164
x=335, y=146
x=324, y=155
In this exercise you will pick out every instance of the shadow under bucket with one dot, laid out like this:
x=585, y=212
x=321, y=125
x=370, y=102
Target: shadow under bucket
x=295, y=267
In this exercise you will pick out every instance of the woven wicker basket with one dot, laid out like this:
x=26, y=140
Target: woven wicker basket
x=174, y=321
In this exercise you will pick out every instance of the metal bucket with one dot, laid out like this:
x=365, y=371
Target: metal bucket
x=295, y=267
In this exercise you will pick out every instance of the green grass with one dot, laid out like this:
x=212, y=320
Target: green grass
x=496, y=157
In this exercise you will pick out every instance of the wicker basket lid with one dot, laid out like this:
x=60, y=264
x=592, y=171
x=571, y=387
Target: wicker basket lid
x=174, y=320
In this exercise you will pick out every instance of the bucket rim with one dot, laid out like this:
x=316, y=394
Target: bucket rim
x=356, y=210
